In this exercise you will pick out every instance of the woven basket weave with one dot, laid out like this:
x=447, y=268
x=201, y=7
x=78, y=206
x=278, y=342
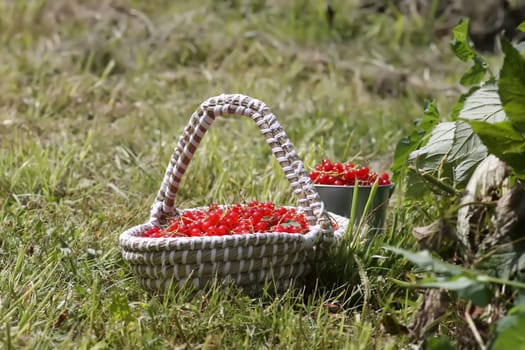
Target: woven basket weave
x=246, y=259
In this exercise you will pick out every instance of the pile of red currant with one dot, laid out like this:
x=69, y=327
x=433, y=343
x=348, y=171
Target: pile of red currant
x=339, y=174
x=236, y=219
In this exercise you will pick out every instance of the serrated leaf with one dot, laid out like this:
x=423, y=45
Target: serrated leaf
x=500, y=137
x=503, y=263
x=475, y=74
x=464, y=170
x=483, y=104
x=467, y=287
x=502, y=140
x=461, y=44
x=452, y=277
x=417, y=138
x=510, y=333
x=522, y=26
x=513, y=319
x=459, y=105
x=433, y=157
x=478, y=292
x=426, y=261
x=512, y=85
x=430, y=117
x=440, y=342
x=455, y=284
x=457, y=144
x=467, y=152
x=463, y=48
x=439, y=144
x=520, y=47
x=416, y=188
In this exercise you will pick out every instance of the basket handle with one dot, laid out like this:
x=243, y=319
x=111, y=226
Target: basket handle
x=282, y=149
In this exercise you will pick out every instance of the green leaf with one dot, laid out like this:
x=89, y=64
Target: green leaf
x=480, y=103
x=464, y=50
x=512, y=85
x=468, y=150
x=416, y=187
x=453, y=147
x=466, y=153
x=500, y=137
x=467, y=287
x=483, y=104
x=476, y=73
x=519, y=304
x=430, y=117
x=431, y=157
x=439, y=342
x=510, y=334
x=458, y=106
x=461, y=43
x=426, y=261
x=417, y=138
x=522, y=26
x=478, y=292
x=452, y=277
x=119, y=307
x=504, y=142
x=505, y=261
x=439, y=143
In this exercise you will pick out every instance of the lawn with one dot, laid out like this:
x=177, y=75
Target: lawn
x=93, y=97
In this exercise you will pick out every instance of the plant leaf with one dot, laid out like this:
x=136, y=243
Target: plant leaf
x=459, y=105
x=510, y=333
x=476, y=73
x=468, y=150
x=466, y=153
x=426, y=261
x=467, y=287
x=504, y=262
x=430, y=117
x=464, y=50
x=431, y=156
x=453, y=277
x=512, y=85
x=522, y=26
x=417, y=138
x=461, y=44
x=504, y=142
x=483, y=104
x=453, y=147
x=440, y=342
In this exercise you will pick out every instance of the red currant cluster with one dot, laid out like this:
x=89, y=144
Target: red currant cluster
x=236, y=219
x=339, y=174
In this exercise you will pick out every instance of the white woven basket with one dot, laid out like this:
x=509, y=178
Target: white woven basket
x=246, y=259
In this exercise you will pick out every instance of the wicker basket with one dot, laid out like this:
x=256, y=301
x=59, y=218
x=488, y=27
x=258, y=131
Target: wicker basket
x=246, y=259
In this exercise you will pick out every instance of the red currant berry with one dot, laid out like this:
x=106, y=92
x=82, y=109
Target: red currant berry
x=362, y=173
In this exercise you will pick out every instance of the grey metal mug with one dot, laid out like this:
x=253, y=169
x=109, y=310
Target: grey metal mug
x=338, y=200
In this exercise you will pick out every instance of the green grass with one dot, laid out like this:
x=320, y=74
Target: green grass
x=92, y=99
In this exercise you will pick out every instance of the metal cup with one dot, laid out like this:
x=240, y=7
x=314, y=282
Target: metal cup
x=338, y=200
